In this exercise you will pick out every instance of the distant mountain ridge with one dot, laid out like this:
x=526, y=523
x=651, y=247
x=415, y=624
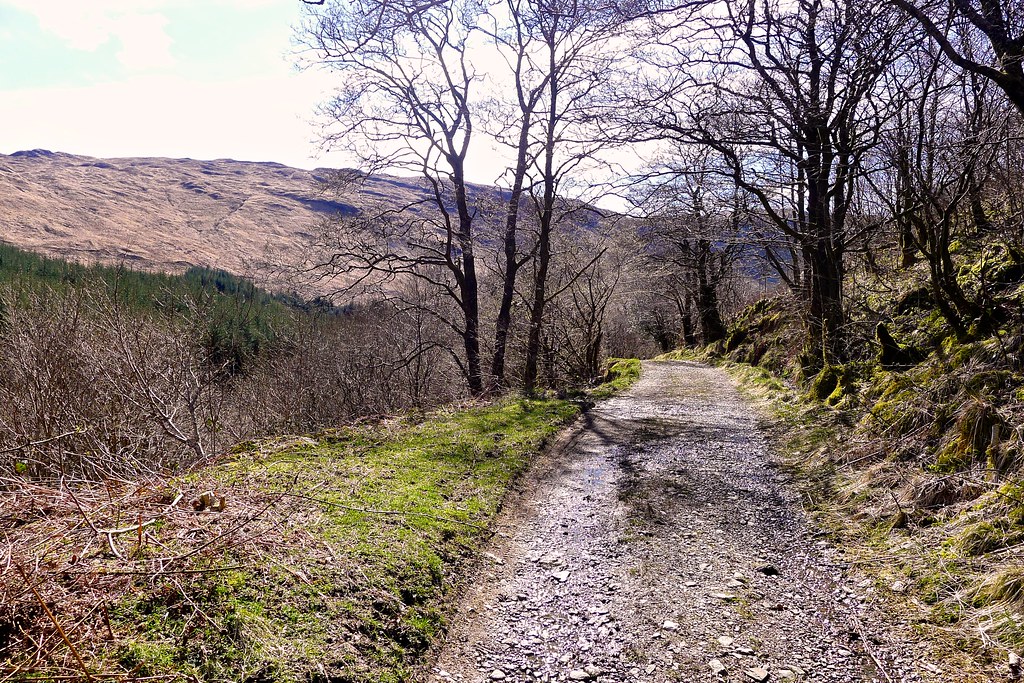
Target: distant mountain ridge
x=169, y=214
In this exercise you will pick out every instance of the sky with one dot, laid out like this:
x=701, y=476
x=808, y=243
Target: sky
x=203, y=79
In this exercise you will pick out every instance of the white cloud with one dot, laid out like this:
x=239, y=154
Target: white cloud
x=144, y=44
x=88, y=25
x=263, y=119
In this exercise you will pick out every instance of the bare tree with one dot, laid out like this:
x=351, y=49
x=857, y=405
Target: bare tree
x=954, y=24
x=697, y=224
x=783, y=93
x=405, y=105
x=568, y=46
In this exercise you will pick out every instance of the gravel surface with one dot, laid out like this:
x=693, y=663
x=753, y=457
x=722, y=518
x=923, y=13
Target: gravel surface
x=660, y=544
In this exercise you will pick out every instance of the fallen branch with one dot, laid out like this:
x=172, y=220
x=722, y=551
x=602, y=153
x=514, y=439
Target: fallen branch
x=867, y=648
x=42, y=603
x=126, y=529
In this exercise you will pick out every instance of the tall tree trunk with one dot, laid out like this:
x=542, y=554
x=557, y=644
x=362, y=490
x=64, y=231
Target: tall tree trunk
x=544, y=237
x=537, y=310
x=711, y=327
x=468, y=287
x=512, y=265
x=686, y=316
x=825, y=308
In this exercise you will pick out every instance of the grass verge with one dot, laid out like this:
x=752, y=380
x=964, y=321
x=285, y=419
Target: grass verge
x=328, y=558
x=332, y=559
x=619, y=374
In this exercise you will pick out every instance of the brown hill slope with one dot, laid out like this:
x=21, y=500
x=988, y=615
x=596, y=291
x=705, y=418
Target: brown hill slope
x=169, y=214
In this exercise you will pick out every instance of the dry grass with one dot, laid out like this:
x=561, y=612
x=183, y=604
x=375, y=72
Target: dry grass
x=331, y=559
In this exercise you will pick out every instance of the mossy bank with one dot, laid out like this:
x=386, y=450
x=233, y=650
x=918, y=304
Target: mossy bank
x=331, y=557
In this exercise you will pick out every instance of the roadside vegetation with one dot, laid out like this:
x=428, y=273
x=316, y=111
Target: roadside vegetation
x=287, y=507
x=325, y=557
x=908, y=454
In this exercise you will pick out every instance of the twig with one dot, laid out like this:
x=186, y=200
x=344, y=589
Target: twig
x=84, y=516
x=151, y=572
x=30, y=444
x=74, y=650
x=867, y=648
x=113, y=548
x=125, y=529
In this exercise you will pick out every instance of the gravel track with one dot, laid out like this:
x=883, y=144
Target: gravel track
x=658, y=545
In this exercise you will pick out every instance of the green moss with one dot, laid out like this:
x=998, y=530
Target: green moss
x=954, y=457
x=351, y=582
x=147, y=659
x=1007, y=586
x=986, y=536
x=619, y=374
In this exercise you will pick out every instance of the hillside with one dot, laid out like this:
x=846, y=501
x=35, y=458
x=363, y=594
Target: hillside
x=169, y=214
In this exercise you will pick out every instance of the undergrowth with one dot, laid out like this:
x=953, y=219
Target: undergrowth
x=332, y=557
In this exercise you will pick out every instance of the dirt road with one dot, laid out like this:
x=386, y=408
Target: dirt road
x=662, y=545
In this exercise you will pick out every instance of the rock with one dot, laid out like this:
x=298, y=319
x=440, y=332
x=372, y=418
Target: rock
x=744, y=651
x=724, y=596
x=717, y=668
x=494, y=558
x=738, y=576
x=561, y=576
x=733, y=583
x=769, y=570
x=725, y=641
x=669, y=625
x=579, y=675
x=690, y=584
x=593, y=670
x=786, y=674
x=649, y=669
x=757, y=674
x=552, y=559
x=898, y=587
x=497, y=675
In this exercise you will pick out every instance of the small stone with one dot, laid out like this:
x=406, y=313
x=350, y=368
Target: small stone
x=744, y=651
x=786, y=674
x=898, y=587
x=593, y=670
x=497, y=675
x=649, y=669
x=717, y=668
x=579, y=675
x=725, y=641
x=757, y=674
x=552, y=559
x=733, y=583
x=690, y=584
x=724, y=596
x=494, y=558
x=561, y=576
x=669, y=625
x=738, y=576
